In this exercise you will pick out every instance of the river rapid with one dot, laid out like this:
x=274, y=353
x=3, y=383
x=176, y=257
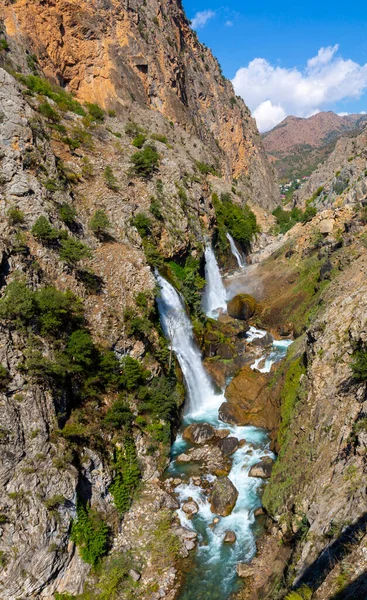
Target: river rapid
x=212, y=575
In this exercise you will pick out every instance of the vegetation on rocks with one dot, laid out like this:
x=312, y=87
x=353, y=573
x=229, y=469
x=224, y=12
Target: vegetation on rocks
x=239, y=221
x=90, y=533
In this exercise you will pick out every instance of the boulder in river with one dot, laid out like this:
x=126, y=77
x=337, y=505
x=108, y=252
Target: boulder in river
x=190, y=508
x=222, y=433
x=229, y=537
x=199, y=433
x=242, y=306
x=263, y=468
x=223, y=497
x=228, y=445
x=210, y=459
x=249, y=401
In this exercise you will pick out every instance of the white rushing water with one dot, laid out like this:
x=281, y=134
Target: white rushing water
x=236, y=253
x=278, y=351
x=215, y=296
x=178, y=330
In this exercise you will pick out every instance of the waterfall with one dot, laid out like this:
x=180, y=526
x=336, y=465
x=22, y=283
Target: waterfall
x=215, y=292
x=178, y=329
x=236, y=253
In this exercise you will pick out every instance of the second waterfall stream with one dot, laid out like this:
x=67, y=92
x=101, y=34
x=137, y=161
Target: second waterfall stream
x=213, y=574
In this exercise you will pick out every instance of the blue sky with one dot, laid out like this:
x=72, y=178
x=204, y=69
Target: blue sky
x=288, y=58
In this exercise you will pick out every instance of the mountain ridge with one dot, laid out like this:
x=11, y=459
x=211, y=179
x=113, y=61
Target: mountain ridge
x=298, y=145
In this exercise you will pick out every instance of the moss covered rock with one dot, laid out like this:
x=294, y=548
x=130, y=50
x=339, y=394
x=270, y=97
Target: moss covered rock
x=223, y=497
x=242, y=306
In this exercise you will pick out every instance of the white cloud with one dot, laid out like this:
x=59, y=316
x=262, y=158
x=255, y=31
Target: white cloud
x=201, y=18
x=268, y=115
x=343, y=114
x=272, y=93
x=229, y=23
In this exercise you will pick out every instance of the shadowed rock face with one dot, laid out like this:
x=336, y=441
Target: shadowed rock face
x=125, y=54
x=223, y=497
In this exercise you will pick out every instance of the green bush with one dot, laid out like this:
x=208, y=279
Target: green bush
x=133, y=129
x=359, y=365
x=156, y=209
x=145, y=161
x=142, y=223
x=18, y=302
x=204, y=168
x=81, y=349
x=63, y=99
x=133, y=373
x=95, y=112
x=15, y=216
x=239, y=221
x=100, y=223
x=90, y=533
x=127, y=477
x=48, y=112
x=189, y=282
x=286, y=219
x=72, y=251
x=139, y=140
x=4, y=377
x=57, y=310
x=54, y=502
x=157, y=137
x=110, y=179
x=4, y=44
x=43, y=231
x=119, y=415
x=67, y=213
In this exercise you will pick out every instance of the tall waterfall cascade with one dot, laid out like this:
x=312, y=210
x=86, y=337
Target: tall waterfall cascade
x=213, y=572
x=215, y=296
x=178, y=330
x=236, y=253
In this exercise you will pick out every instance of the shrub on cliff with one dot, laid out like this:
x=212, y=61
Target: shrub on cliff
x=110, y=179
x=145, y=161
x=90, y=533
x=239, y=221
x=63, y=99
x=100, y=224
x=127, y=475
x=43, y=231
x=359, y=365
x=72, y=251
x=142, y=223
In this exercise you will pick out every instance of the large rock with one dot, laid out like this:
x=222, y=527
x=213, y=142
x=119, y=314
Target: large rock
x=228, y=445
x=242, y=306
x=210, y=459
x=223, y=497
x=249, y=401
x=199, y=433
x=190, y=508
x=263, y=468
x=229, y=537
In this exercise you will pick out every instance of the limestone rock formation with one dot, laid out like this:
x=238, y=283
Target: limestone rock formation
x=126, y=55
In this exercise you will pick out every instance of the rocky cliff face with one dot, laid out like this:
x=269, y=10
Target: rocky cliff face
x=73, y=433
x=126, y=55
x=316, y=497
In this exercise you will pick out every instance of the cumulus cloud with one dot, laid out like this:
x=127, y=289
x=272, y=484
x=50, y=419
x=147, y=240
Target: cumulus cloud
x=201, y=18
x=273, y=92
